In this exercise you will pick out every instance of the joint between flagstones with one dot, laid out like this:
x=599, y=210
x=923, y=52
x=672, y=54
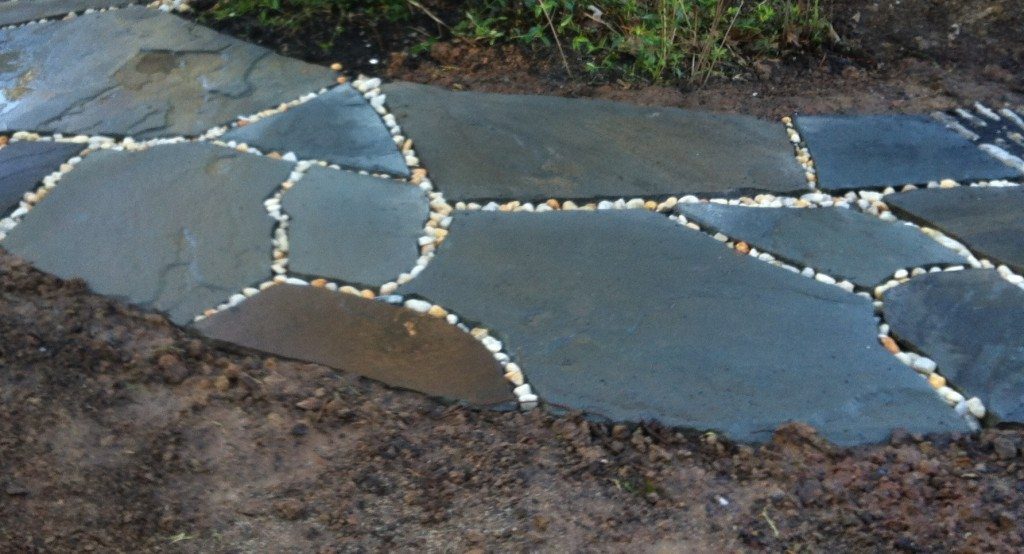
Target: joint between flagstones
x=803, y=155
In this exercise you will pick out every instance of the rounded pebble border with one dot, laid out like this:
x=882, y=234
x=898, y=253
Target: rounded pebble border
x=167, y=6
x=803, y=155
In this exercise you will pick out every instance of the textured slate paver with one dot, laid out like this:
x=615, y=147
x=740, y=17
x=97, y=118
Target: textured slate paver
x=352, y=227
x=875, y=151
x=21, y=11
x=988, y=220
x=839, y=242
x=972, y=324
x=338, y=126
x=482, y=146
x=391, y=344
x=24, y=164
x=139, y=72
x=629, y=315
x=175, y=228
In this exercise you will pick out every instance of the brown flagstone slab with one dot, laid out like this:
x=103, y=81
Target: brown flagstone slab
x=393, y=345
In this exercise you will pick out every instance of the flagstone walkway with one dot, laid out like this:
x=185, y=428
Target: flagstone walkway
x=860, y=273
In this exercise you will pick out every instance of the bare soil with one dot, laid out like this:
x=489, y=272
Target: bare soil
x=121, y=432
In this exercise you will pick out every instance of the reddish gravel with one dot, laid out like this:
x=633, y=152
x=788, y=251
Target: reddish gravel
x=120, y=432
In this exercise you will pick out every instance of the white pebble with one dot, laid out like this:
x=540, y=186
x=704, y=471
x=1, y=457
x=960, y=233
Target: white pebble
x=417, y=305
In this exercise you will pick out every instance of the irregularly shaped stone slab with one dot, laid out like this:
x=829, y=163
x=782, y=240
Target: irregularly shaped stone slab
x=24, y=164
x=352, y=227
x=338, y=126
x=972, y=324
x=876, y=151
x=988, y=220
x=632, y=316
x=840, y=242
x=21, y=11
x=387, y=343
x=139, y=72
x=176, y=228
x=484, y=146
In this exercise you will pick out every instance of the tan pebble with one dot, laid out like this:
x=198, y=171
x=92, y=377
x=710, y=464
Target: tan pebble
x=440, y=233
x=341, y=80
x=64, y=168
x=553, y=204
x=787, y=120
x=418, y=175
x=651, y=205
x=505, y=207
x=428, y=248
x=210, y=312
x=3, y=140
x=947, y=184
x=336, y=66
x=274, y=155
x=241, y=123
x=889, y=344
x=742, y=247
x=936, y=380
x=348, y=289
x=222, y=383
x=368, y=294
x=319, y=283
x=801, y=203
x=278, y=254
x=437, y=311
x=407, y=145
x=478, y=332
x=287, y=185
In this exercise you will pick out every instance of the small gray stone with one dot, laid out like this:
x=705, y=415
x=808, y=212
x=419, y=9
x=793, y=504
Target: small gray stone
x=971, y=323
x=876, y=151
x=486, y=146
x=176, y=228
x=629, y=315
x=836, y=241
x=141, y=73
x=24, y=164
x=338, y=126
x=354, y=228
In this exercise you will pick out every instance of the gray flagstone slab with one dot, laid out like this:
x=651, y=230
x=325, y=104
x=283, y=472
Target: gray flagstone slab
x=24, y=164
x=631, y=316
x=20, y=11
x=141, y=73
x=177, y=228
x=489, y=146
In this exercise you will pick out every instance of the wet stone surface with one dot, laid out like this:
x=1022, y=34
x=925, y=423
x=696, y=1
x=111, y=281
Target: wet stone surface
x=484, y=146
x=141, y=73
x=338, y=126
x=390, y=344
x=971, y=323
x=988, y=220
x=176, y=228
x=20, y=11
x=353, y=228
x=24, y=164
x=839, y=242
x=876, y=151
x=633, y=317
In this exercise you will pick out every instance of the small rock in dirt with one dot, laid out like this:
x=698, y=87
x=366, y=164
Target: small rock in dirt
x=1004, y=448
x=290, y=508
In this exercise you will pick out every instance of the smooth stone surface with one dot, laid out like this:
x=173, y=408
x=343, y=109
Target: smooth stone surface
x=489, y=146
x=876, y=151
x=24, y=164
x=353, y=228
x=176, y=228
x=338, y=126
x=988, y=220
x=628, y=315
x=22, y=11
x=141, y=73
x=839, y=242
x=374, y=339
x=972, y=324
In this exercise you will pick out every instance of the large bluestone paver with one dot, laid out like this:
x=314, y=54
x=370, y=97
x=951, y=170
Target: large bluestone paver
x=24, y=164
x=353, y=228
x=839, y=242
x=338, y=126
x=988, y=220
x=176, y=228
x=21, y=11
x=391, y=344
x=490, y=146
x=631, y=316
x=139, y=72
x=876, y=151
x=972, y=324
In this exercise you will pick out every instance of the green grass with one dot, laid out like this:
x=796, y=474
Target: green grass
x=636, y=40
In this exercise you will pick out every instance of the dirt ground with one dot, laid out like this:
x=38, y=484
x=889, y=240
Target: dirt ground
x=120, y=432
